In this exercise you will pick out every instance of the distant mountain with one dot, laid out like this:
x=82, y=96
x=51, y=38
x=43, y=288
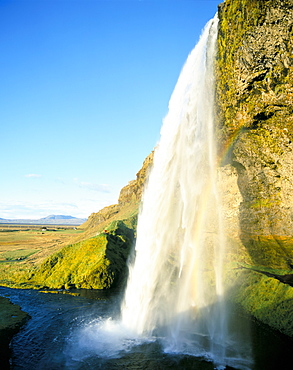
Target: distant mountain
x=49, y=220
x=58, y=217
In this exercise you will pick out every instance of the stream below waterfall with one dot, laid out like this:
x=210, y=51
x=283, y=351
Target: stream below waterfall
x=63, y=333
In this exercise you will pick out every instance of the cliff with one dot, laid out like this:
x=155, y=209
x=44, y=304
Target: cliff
x=128, y=203
x=255, y=120
x=97, y=258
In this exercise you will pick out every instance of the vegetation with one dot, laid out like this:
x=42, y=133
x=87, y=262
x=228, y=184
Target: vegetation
x=267, y=299
x=19, y=254
x=11, y=320
x=21, y=250
x=254, y=77
x=95, y=263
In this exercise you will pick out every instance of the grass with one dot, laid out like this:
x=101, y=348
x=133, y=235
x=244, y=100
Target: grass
x=16, y=255
x=95, y=263
x=23, y=249
x=127, y=213
x=58, y=262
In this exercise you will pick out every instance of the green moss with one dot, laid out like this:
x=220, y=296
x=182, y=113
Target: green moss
x=12, y=318
x=272, y=251
x=93, y=264
x=266, y=270
x=264, y=203
x=254, y=93
x=242, y=96
x=267, y=299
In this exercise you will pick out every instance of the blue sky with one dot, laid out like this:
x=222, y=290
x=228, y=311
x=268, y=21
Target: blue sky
x=84, y=87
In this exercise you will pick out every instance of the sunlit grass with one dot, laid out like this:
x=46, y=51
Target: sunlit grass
x=21, y=249
x=18, y=254
x=93, y=263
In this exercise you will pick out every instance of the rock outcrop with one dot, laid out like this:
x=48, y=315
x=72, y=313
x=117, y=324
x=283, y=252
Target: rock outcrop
x=255, y=111
x=12, y=318
x=132, y=192
x=128, y=202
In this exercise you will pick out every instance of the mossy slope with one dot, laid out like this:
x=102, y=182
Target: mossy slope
x=267, y=299
x=99, y=262
x=95, y=259
x=95, y=263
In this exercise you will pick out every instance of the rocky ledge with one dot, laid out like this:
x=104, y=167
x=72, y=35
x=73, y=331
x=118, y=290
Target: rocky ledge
x=12, y=318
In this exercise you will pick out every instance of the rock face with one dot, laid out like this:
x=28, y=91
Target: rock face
x=132, y=192
x=128, y=202
x=12, y=318
x=255, y=110
x=255, y=95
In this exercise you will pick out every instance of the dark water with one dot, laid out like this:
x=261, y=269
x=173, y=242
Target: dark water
x=65, y=333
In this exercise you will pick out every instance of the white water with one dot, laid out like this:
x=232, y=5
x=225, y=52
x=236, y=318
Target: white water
x=175, y=294
x=175, y=289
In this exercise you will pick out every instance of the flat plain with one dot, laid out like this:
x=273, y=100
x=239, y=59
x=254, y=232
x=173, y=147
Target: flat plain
x=23, y=247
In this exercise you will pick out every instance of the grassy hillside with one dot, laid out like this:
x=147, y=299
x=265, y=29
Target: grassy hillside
x=98, y=262
x=94, y=256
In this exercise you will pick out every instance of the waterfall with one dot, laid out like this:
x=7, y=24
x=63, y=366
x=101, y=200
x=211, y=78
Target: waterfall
x=175, y=299
x=175, y=287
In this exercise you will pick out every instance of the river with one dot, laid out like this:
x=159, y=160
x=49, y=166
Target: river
x=63, y=333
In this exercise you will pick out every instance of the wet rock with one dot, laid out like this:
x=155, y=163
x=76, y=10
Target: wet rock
x=12, y=318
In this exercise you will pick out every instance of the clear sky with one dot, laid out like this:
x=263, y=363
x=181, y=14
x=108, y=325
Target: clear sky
x=84, y=87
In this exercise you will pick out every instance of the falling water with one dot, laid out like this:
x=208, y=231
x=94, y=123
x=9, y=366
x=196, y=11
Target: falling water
x=175, y=288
